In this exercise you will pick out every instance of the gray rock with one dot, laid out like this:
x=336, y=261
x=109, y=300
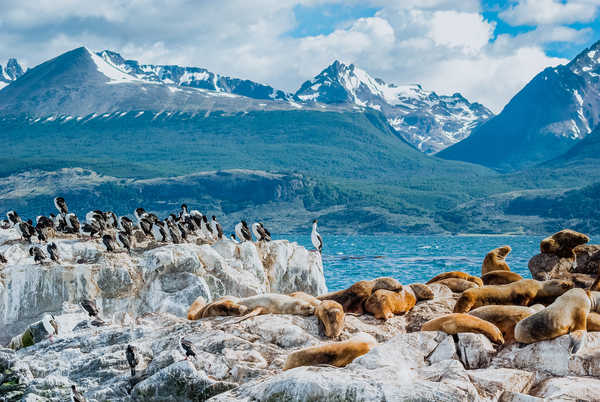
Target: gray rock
x=475, y=350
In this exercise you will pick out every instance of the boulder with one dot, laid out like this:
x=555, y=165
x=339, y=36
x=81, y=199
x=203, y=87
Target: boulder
x=475, y=350
x=492, y=383
x=569, y=389
x=582, y=270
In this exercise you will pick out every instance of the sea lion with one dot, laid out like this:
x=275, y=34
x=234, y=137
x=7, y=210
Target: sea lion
x=562, y=243
x=455, y=323
x=306, y=297
x=457, y=285
x=337, y=354
x=422, y=292
x=331, y=315
x=500, y=277
x=456, y=274
x=353, y=298
x=567, y=315
x=494, y=260
x=274, y=303
x=520, y=293
x=225, y=306
x=195, y=310
x=503, y=317
x=383, y=304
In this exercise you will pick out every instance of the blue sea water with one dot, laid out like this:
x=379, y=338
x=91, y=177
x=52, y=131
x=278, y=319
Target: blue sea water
x=410, y=259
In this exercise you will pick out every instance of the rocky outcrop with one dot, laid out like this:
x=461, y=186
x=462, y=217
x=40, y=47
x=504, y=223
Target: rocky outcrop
x=151, y=279
x=566, y=256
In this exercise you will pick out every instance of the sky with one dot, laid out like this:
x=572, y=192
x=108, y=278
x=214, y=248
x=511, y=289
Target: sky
x=485, y=49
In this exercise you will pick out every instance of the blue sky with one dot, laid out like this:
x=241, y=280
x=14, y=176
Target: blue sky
x=485, y=49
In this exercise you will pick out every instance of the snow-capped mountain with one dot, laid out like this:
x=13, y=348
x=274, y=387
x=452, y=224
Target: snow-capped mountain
x=428, y=121
x=10, y=72
x=194, y=77
x=557, y=108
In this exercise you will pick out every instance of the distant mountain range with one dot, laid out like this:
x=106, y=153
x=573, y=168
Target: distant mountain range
x=557, y=109
x=79, y=83
x=428, y=121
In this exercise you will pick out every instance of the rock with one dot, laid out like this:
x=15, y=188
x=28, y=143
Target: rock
x=552, y=358
x=495, y=260
x=445, y=350
x=475, y=350
x=179, y=382
x=588, y=259
x=509, y=396
x=167, y=278
x=583, y=270
x=562, y=243
x=569, y=388
x=491, y=383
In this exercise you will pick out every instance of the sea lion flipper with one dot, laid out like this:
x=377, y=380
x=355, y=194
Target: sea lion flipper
x=578, y=341
x=253, y=313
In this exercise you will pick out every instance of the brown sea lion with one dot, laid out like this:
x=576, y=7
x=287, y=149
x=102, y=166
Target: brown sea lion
x=383, y=304
x=331, y=315
x=457, y=274
x=500, y=277
x=504, y=317
x=520, y=293
x=562, y=243
x=453, y=324
x=567, y=315
x=494, y=260
x=274, y=303
x=457, y=285
x=195, y=310
x=353, y=298
x=337, y=354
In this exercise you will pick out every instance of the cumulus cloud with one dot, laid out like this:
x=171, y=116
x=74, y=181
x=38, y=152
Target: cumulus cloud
x=534, y=12
x=445, y=45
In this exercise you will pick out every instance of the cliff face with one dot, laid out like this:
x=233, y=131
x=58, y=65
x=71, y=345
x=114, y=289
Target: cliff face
x=152, y=279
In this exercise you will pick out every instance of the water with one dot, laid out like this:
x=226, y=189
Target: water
x=410, y=259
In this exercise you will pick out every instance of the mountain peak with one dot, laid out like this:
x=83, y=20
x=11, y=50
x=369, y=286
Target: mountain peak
x=587, y=61
x=11, y=72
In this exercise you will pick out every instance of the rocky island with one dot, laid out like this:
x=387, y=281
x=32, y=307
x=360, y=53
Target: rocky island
x=144, y=296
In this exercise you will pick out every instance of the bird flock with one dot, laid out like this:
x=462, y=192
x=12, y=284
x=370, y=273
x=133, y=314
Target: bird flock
x=117, y=233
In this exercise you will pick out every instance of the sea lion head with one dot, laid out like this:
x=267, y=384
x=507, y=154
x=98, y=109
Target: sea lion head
x=556, y=287
x=386, y=283
x=331, y=315
x=421, y=291
x=503, y=251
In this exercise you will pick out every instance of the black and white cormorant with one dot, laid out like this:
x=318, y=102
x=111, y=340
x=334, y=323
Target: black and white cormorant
x=109, y=242
x=53, y=252
x=77, y=396
x=188, y=348
x=38, y=255
x=124, y=241
x=13, y=218
x=316, y=238
x=132, y=358
x=217, y=228
x=61, y=205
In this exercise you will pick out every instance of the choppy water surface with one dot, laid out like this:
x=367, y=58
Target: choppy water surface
x=347, y=259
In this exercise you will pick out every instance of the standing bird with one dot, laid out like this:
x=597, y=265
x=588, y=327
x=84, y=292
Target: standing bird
x=13, y=217
x=73, y=225
x=77, y=396
x=188, y=348
x=184, y=213
x=109, y=242
x=50, y=325
x=53, y=251
x=243, y=232
x=111, y=220
x=126, y=225
x=206, y=230
x=316, y=238
x=3, y=259
x=26, y=230
x=61, y=205
x=123, y=241
x=267, y=233
x=131, y=358
x=217, y=228
x=38, y=255
x=159, y=232
x=92, y=310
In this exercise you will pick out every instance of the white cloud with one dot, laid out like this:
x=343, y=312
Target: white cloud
x=466, y=31
x=535, y=12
